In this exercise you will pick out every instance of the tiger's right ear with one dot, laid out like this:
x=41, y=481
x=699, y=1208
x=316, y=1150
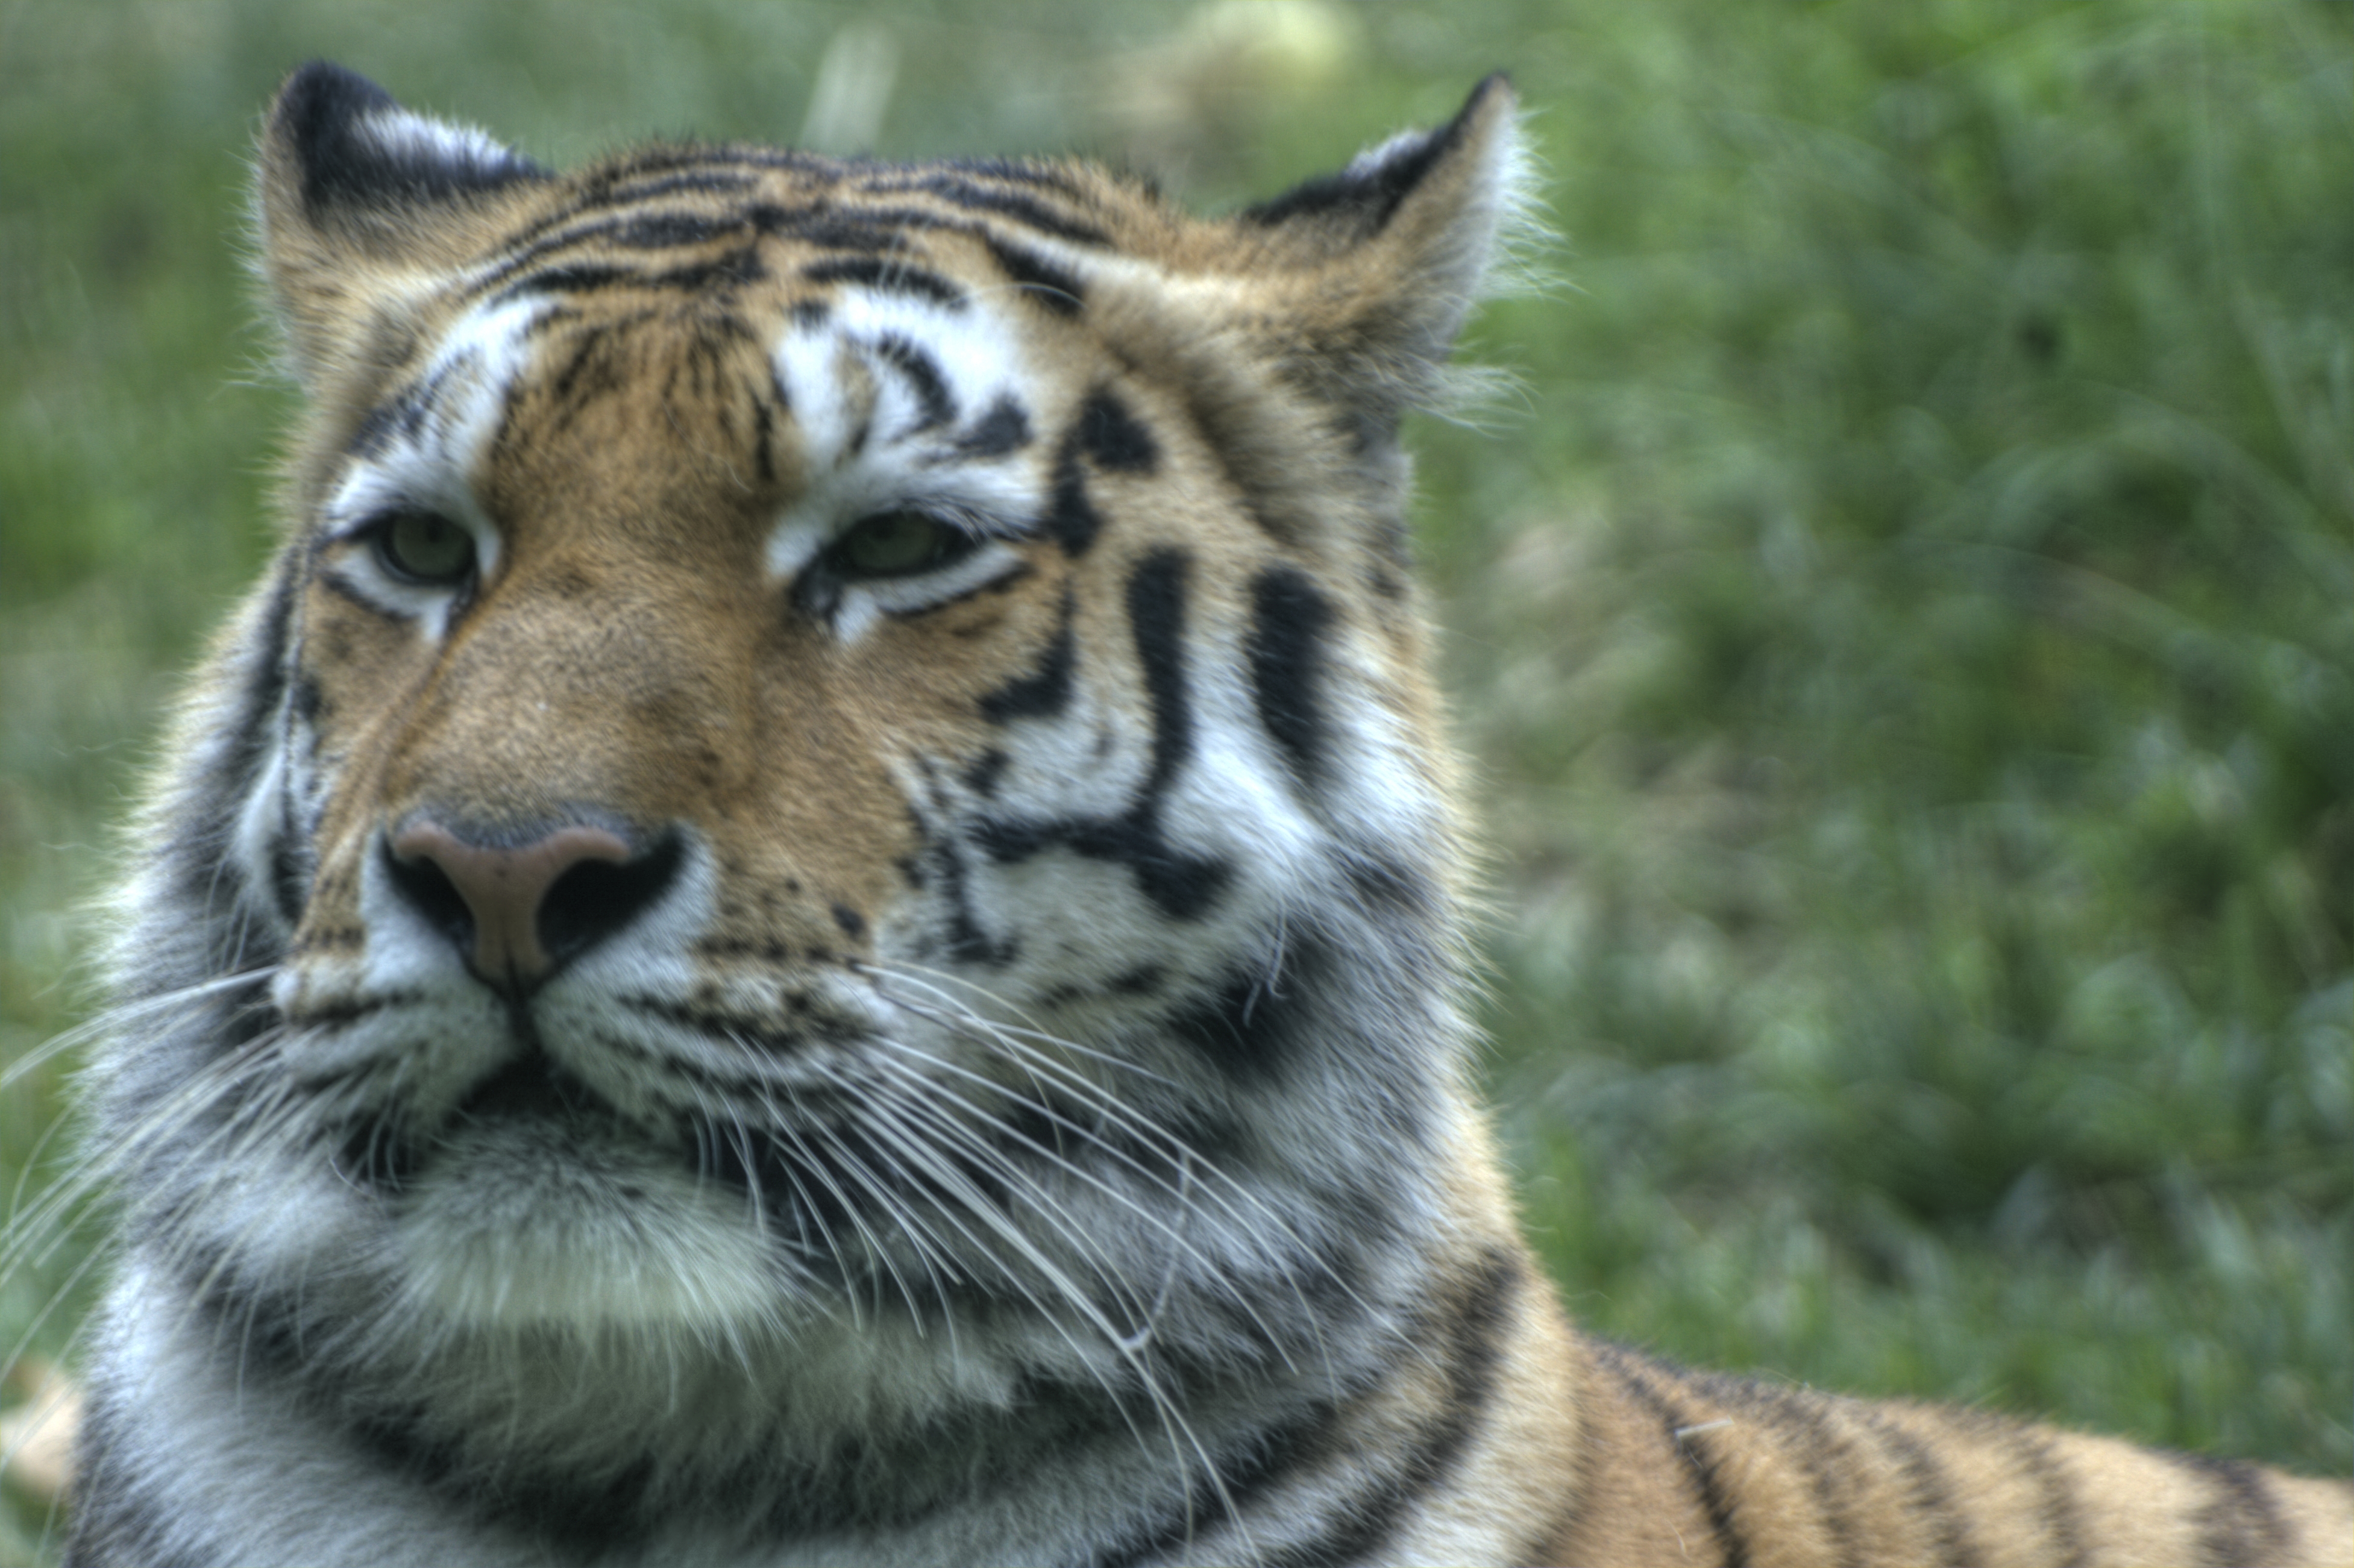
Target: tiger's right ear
x=360, y=199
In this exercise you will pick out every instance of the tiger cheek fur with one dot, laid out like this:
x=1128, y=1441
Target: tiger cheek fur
x=816, y=918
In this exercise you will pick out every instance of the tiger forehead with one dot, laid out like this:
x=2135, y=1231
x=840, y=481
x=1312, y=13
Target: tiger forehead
x=670, y=283
x=715, y=221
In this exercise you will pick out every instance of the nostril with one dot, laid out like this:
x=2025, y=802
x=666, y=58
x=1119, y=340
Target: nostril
x=428, y=890
x=596, y=898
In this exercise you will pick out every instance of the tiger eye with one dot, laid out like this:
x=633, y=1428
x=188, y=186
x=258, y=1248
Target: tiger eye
x=424, y=548
x=894, y=544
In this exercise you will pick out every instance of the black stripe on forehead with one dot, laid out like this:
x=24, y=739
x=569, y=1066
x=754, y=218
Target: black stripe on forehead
x=821, y=224
x=1004, y=428
x=824, y=223
x=407, y=412
x=668, y=171
x=1049, y=284
x=974, y=196
x=733, y=269
x=1109, y=436
x=887, y=275
x=1015, y=170
x=917, y=367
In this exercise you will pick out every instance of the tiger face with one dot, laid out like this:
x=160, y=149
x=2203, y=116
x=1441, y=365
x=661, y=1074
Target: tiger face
x=834, y=781
x=814, y=919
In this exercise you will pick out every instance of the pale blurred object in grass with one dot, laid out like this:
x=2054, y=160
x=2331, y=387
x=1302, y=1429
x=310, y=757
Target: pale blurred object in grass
x=852, y=91
x=37, y=1431
x=1184, y=104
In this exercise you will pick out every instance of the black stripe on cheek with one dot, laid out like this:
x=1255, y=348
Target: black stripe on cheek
x=289, y=880
x=1107, y=434
x=1707, y=1489
x=982, y=775
x=922, y=373
x=1071, y=517
x=1271, y=1457
x=2239, y=1524
x=1184, y=886
x=764, y=435
x=267, y=674
x=1045, y=692
x=1156, y=613
x=1286, y=647
x=1248, y=1029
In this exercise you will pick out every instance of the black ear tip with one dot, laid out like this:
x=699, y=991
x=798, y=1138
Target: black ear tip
x=320, y=95
x=1496, y=86
x=356, y=146
x=1369, y=190
x=317, y=117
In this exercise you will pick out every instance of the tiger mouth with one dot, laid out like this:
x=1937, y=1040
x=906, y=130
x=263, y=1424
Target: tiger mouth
x=385, y=1153
x=805, y=1185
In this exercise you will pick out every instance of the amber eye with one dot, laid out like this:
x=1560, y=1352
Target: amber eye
x=897, y=543
x=424, y=548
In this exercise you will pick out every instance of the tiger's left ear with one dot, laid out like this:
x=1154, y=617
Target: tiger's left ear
x=357, y=198
x=1384, y=259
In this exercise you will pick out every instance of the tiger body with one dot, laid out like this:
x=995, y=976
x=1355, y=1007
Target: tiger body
x=817, y=917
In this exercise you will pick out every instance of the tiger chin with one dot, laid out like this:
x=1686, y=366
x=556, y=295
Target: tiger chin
x=816, y=915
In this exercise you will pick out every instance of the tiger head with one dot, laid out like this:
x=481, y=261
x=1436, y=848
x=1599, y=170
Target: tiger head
x=836, y=764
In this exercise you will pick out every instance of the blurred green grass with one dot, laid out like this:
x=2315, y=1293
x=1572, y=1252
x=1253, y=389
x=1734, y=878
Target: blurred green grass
x=1904, y=624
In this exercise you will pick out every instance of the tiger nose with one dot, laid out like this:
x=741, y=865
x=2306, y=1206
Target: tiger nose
x=517, y=910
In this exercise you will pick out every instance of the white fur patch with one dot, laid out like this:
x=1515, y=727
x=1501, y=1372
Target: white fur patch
x=868, y=447
x=401, y=134
x=428, y=456
x=523, y=1226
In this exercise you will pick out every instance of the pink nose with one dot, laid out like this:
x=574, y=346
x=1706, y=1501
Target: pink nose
x=505, y=890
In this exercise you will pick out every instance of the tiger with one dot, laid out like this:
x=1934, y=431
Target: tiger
x=820, y=913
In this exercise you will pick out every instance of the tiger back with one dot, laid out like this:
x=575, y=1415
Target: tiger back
x=816, y=916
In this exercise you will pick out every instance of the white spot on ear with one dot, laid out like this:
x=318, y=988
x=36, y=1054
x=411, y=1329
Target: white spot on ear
x=1373, y=158
x=399, y=134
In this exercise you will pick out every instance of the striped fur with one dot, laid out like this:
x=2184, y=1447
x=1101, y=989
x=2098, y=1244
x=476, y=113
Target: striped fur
x=815, y=917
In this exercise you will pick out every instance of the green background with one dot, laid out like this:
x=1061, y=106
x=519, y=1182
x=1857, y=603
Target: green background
x=1903, y=619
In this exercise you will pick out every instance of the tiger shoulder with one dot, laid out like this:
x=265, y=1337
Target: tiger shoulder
x=817, y=915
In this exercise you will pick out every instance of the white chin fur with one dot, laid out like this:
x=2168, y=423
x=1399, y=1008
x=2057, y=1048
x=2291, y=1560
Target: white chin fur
x=521, y=1226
